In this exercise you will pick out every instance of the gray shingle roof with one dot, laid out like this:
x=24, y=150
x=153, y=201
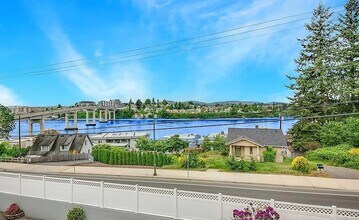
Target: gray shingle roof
x=262, y=136
x=76, y=141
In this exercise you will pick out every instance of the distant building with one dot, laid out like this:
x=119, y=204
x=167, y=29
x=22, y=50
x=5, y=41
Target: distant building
x=86, y=104
x=192, y=139
x=47, y=144
x=112, y=103
x=122, y=139
x=249, y=143
x=27, y=109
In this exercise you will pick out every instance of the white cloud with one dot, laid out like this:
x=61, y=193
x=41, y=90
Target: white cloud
x=119, y=81
x=8, y=97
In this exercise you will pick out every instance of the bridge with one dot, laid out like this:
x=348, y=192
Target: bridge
x=105, y=114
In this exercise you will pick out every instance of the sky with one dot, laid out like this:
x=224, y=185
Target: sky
x=37, y=37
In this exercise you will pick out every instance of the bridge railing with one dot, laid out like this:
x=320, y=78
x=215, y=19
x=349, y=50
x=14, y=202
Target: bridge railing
x=173, y=203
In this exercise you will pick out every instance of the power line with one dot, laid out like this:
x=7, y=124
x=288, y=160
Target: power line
x=184, y=40
x=115, y=60
x=66, y=68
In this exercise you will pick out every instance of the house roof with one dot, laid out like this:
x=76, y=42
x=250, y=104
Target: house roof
x=76, y=141
x=261, y=136
x=43, y=140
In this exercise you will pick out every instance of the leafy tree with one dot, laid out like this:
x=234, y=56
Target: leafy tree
x=234, y=110
x=148, y=102
x=164, y=102
x=138, y=104
x=175, y=144
x=218, y=144
x=345, y=132
x=7, y=123
x=144, y=143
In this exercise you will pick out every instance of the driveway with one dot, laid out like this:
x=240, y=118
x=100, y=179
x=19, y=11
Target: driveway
x=341, y=172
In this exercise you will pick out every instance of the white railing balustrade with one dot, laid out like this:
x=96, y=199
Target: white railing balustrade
x=173, y=203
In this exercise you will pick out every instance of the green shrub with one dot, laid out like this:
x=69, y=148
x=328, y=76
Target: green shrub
x=300, y=164
x=237, y=165
x=269, y=154
x=76, y=214
x=193, y=159
x=252, y=165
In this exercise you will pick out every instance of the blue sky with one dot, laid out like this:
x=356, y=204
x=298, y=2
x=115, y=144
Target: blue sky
x=37, y=33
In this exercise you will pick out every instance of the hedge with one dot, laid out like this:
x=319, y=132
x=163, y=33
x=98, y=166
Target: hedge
x=119, y=156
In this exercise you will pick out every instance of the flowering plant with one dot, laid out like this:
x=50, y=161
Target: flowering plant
x=252, y=213
x=13, y=209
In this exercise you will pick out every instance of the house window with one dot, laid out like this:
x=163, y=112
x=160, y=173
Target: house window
x=251, y=150
x=45, y=148
x=65, y=148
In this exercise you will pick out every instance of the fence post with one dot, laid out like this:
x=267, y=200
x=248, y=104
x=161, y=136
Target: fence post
x=72, y=190
x=44, y=186
x=175, y=195
x=220, y=206
x=102, y=195
x=334, y=212
x=19, y=184
x=272, y=203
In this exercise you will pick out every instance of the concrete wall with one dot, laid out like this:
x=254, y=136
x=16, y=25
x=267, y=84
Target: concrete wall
x=53, y=210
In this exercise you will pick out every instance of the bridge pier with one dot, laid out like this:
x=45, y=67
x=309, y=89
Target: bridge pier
x=74, y=125
x=111, y=115
x=105, y=111
x=93, y=118
x=32, y=121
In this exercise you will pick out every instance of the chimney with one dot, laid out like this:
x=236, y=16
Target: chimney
x=257, y=126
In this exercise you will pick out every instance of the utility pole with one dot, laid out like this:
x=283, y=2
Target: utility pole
x=154, y=140
x=280, y=117
x=19, y=134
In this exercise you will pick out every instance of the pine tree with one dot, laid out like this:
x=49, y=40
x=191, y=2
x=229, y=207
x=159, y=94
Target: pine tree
x=348, y=55
x=314, y=84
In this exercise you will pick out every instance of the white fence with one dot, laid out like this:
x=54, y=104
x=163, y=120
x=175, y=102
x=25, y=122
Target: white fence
x=173, y=203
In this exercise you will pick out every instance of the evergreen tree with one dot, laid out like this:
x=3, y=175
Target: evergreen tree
x=348, y=56
x=138, y=104
x=314, y=84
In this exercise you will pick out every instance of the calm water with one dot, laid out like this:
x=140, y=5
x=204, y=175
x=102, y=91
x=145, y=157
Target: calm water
x=169, y=126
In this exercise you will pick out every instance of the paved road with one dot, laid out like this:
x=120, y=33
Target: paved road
x=341, y=172
x=339, y=198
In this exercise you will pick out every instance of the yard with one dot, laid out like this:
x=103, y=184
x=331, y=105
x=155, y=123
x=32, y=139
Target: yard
x=214, y=160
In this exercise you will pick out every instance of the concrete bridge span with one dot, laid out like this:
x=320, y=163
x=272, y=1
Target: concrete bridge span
x=105, y=114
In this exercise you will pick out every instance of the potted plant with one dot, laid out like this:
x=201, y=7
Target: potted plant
x=13, y=212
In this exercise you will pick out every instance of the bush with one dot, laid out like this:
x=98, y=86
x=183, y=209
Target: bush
x=193, y=160
x=269, y=154
x=237, y=165
x=354, y=151
x=76, y=214
x=342, y=155
x=300, y=164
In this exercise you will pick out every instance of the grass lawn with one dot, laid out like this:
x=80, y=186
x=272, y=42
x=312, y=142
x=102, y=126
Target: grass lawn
x=214, y=160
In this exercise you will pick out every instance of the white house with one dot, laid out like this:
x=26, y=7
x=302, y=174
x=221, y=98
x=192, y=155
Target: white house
x=121, y=139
